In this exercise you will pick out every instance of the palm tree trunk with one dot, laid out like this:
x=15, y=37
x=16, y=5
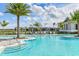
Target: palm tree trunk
x=18, y=26
x=3, y=31
x=78, y=27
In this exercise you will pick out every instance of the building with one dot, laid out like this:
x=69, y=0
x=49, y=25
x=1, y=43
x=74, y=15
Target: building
x=69, y=26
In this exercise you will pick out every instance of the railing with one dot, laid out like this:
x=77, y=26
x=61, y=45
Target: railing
x=68, y=30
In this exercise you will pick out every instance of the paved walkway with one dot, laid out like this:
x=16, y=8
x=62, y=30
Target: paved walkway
x=5, y=42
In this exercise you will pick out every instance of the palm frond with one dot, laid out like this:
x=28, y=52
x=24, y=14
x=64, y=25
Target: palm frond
x=4, y=23
x=19, y=9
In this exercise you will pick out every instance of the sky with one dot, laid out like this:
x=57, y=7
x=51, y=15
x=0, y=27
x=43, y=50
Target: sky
x=44, y=13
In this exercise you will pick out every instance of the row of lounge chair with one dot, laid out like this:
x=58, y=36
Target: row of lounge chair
x=40, y=32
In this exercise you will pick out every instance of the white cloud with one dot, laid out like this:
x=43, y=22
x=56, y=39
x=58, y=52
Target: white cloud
x=53, y=14
x=48, y=14
x=1, y=14
x=38, y=10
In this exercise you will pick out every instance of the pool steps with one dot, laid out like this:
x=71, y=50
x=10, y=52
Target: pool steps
x=22, y=41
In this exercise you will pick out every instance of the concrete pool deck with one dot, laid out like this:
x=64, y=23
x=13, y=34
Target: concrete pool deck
x=4, y=43
x=70, y=37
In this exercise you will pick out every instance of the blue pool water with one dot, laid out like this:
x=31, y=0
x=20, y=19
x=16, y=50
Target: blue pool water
x=47, y=45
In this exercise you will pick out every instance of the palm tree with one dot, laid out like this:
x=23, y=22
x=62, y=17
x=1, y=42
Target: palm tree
x=61, y=25
x=31, y=26
x=37, y=25
x=21, y=30
x=54, y=28
x=4, y=24
x=75, y=17
x=18, y=9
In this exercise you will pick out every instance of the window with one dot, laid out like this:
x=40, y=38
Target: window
x=76, y=26
x=66, y=26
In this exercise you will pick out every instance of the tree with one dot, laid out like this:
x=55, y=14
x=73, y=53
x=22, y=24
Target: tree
x=75, y=17
x=54, y=28
x=61, y=25
x=31, y=27
x=4, y=24
x=18, y=9
x=37, y=25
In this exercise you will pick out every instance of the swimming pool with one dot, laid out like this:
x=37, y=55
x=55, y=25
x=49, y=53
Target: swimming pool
x=47, y=45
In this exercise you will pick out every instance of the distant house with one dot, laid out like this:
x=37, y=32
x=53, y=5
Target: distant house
x=68, y=26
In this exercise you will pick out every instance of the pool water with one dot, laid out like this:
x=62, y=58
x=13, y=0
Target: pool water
x=47, y=45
